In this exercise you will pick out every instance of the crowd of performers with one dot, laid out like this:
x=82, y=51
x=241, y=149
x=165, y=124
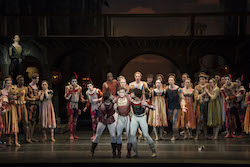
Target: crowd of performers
x=191, y=109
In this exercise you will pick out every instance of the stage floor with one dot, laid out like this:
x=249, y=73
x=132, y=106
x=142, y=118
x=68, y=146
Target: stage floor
x=223, y=151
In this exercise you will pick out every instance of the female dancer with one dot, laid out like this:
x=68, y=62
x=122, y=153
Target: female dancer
x=247, y=117
x=158, y=117
x=188, y=112
x=173, y=101
x=47, y=114
x=214, y=108
x=10, y=118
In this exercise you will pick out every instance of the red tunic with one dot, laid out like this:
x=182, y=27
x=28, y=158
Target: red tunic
x=107, y=112
x=124, y=109
x=110, y=86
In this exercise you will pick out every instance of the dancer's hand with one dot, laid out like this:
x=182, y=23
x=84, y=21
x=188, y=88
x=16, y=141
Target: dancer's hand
x=85, y=109
x=184, y=109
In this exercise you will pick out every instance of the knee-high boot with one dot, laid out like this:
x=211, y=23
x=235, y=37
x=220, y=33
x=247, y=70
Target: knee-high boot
x=93, y=149
x=119, y=148
x=113, y=145
x=129, y=148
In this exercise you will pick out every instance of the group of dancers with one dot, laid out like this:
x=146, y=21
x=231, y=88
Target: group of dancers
x=135, y=107
x=193, y=108
x=26, y=106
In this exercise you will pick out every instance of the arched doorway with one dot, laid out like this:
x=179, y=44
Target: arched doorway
x=149, y=64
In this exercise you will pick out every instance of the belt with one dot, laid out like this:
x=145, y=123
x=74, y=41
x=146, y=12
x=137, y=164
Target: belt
x=141, y=115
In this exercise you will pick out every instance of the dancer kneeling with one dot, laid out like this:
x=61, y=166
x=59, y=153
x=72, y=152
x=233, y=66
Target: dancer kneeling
x=106, y=119
x=139, y=118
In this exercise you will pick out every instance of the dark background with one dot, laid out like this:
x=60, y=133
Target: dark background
x=93, y=37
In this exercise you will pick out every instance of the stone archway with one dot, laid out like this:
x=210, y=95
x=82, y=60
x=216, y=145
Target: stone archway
x=149, y=64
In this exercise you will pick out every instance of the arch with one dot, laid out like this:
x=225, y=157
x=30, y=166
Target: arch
x=128, y=59
x=147, y=60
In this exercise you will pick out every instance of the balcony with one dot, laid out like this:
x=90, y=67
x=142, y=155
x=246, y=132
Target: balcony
x=130, y=25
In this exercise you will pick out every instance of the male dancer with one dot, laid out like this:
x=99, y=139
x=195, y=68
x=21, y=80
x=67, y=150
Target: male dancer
x=110, y=85
x=106, y=120
x=73, y=93
x=139, y=118
x=94, y=96
x=123, y=104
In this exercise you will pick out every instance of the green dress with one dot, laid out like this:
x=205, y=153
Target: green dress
x=214, y=109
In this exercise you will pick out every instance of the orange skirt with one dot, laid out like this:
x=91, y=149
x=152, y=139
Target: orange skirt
x=247, y=120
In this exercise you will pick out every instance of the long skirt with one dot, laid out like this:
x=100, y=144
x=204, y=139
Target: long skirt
x=10, y=121
x=158, y=117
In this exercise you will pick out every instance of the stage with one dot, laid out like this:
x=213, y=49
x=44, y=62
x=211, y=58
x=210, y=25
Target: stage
x=223, y=151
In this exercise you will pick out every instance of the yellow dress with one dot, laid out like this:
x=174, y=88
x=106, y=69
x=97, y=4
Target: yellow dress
x=158, y=117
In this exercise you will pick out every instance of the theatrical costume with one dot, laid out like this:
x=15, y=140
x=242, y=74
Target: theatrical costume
x=240, y=114
x=158, y=117
x=47, y=113
x=4, y=108
x=106, y=119
x=201, y=103
x=94, y=106
x=247, y=116
x=139, y=118
x=174, y=109
x=16, y=57
x=123, y=122
x=33, y=105
x=10, y=118
x=33, y=108
x=110, y=87
x=188, y=120
x=73, y=94
x=22, y=93
x=214, y=118
x=143, y=86
x=229, y=94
